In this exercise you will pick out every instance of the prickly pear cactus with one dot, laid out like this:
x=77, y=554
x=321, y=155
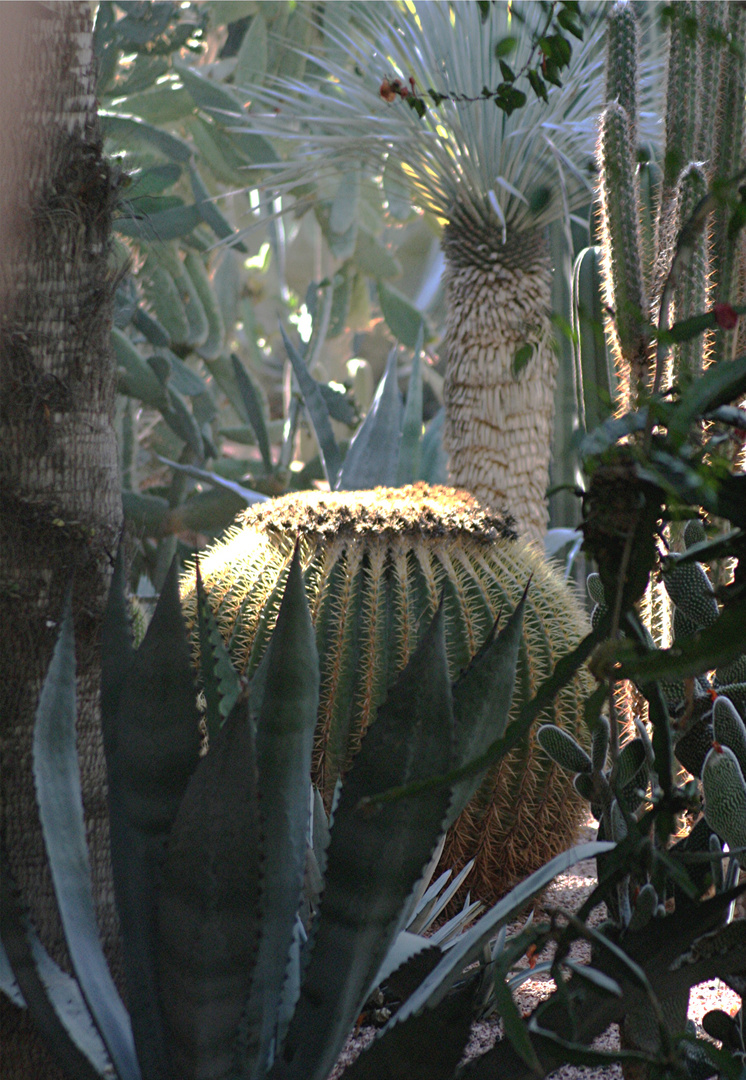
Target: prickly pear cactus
x=375, y=566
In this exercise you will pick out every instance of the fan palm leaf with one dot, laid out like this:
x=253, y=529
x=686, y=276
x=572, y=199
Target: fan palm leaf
x=494, y=180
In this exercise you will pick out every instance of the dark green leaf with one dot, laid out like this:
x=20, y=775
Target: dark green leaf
x=151, y=329
x=57, y=780
x=253, y=409
x=207, y=94
x=373, y=455
x=374, y=860
x=151, y=739
x=283, y=703
x=165, y=225
x=482, y=696
x=208, y=908
x=505, y=47
x=537, y=84
x=507, y=72
x=209, y=211
x=317, y=411
x=129, y=131
x=402, y=317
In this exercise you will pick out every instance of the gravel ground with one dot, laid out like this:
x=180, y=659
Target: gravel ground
x=568, y=891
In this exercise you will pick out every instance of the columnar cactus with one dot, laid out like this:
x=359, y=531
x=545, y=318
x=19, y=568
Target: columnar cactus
x=375, y=565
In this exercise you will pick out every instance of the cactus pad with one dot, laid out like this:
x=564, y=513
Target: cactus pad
x=375, y=564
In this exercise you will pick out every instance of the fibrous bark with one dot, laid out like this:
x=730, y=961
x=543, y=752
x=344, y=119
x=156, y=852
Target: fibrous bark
x=498, y=411
x=60, y=508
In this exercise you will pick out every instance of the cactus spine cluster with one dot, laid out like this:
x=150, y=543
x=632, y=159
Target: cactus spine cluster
x=375, y=566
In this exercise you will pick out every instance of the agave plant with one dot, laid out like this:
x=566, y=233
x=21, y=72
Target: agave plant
x=209, y=846
x=493, y=179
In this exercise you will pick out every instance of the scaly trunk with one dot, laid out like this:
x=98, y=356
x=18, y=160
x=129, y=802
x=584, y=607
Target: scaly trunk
x=499, y=419
x=60, y=508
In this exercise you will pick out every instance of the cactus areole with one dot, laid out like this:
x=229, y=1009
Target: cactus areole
x=376, y=564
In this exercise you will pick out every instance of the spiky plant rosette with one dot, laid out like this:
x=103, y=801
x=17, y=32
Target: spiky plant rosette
x=494, y=181
x=375, y=565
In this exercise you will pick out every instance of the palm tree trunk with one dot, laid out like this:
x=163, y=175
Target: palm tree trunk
x=498, y=419
x=60, y=508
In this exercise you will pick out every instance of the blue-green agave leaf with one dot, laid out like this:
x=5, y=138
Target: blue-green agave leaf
x=58, y=794
x=53, y=997
x=482, y=697
x=152, y=743
x=373, y=455
x=253, y=409
x=209, y=905
x=284, y=703
x=410, y=449
x=318, y=412
x=374, y=860
x=434, y=460
x=469, y=946
x=8, y=983
x=220, y=680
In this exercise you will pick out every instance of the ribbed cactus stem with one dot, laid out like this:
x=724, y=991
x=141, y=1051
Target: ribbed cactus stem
x=682, y=97
x=711, y=17
x=728, y=160
x=623, y=270
x=621, y=63
x=682, y=127
x=376, y=564
x=691, y=291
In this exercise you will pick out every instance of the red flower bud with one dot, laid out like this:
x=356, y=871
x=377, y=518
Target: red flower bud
x=725, y=316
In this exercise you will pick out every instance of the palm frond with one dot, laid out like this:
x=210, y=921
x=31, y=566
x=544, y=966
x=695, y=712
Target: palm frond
x=518, y=172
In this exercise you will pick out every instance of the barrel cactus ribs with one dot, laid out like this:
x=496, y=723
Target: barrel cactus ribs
x=375, y=566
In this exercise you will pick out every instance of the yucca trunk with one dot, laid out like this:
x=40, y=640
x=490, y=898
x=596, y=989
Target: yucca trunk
x=498, y=413
x=60, y=509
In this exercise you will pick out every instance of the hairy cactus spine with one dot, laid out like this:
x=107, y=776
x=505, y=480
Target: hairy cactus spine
x=375, y=565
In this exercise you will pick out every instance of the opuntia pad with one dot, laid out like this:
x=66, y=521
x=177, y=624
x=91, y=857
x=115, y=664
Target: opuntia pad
x=376, y=564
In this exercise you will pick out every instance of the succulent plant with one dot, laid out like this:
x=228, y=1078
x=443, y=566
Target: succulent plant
x=209, y=847
x=375, y=565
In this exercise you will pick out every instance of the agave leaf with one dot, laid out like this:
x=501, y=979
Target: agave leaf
x=58, y=794
x=482, y=697
x=468, y=947
x=374, y=860
x=151, y=739
x=374, y=451
x=442, y=901
x=427, y=1046
x=434, y=461
x=252, y=404
x=410, y=450
x=220, y=680
x=208, y=909
x=8, y=982
x=283, y=704
x=317, y=411
x=52, y=996
x=405, y=945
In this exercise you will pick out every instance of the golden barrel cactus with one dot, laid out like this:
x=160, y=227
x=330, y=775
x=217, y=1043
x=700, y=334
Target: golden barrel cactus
x=375, y=566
